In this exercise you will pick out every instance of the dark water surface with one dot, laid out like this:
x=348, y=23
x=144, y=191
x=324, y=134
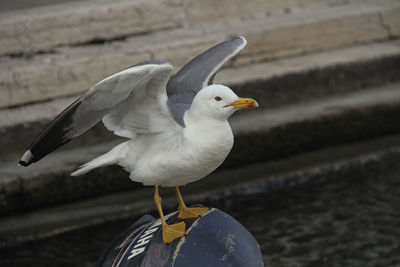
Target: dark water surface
x=340, y=221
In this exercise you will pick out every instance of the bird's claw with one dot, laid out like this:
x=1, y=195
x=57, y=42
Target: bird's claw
x=186, y=213
x=173, y=231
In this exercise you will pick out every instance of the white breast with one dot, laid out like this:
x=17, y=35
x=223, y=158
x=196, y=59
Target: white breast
x=185, y=157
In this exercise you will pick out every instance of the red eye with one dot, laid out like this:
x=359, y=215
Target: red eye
x=217, y=98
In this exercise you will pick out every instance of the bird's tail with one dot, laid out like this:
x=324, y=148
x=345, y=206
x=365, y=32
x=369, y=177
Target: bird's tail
x=111, y=157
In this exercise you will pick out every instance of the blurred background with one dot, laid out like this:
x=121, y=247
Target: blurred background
x=314, y=173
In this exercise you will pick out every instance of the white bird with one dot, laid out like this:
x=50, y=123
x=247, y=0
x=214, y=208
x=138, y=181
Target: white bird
x=177, y=128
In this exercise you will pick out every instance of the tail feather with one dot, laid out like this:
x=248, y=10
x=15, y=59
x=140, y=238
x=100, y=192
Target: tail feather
x=96, y=163
x=109, y=158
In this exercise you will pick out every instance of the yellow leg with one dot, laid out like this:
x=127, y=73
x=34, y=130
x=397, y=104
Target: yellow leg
x=186, y=212
x=169, y=232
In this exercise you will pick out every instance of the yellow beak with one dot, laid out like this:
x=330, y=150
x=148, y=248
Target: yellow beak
x=244, y=103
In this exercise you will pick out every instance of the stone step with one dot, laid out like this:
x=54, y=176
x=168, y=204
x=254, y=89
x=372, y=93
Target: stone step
x=281, y=132
x=267, y=135
x=44, y=27
x=377, y=156
x=29, y=27
x=314, y=76
x=274, y=84
x=67, y=71
x=326, y=74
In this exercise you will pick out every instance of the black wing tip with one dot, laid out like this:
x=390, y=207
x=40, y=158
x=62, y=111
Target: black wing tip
x=23, y=163
x=26, y=159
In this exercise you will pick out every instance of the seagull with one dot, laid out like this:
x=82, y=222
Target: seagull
x=176, y=128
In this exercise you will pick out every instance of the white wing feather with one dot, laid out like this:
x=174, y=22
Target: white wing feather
x=142, y=85
x=143, y=111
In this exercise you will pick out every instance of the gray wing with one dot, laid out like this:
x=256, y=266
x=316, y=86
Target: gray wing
x=197, y=74
x=142, y=84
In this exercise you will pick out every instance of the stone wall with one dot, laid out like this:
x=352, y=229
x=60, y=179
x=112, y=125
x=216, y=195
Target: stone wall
x=325, y=72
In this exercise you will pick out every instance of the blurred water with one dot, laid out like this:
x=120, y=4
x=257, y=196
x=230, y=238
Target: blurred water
x=340, y=221
x=344, y=222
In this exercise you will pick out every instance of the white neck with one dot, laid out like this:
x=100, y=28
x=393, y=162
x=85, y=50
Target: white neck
x=206, y=129
x=193, y=118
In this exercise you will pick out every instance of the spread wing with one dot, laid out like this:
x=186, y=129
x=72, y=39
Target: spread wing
x=129, y=102
x=197, y=74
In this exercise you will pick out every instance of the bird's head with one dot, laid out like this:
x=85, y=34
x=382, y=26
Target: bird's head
x=219, y=102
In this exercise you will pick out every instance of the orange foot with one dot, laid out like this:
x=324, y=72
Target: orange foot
x=173, y=231
x=186, y=213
